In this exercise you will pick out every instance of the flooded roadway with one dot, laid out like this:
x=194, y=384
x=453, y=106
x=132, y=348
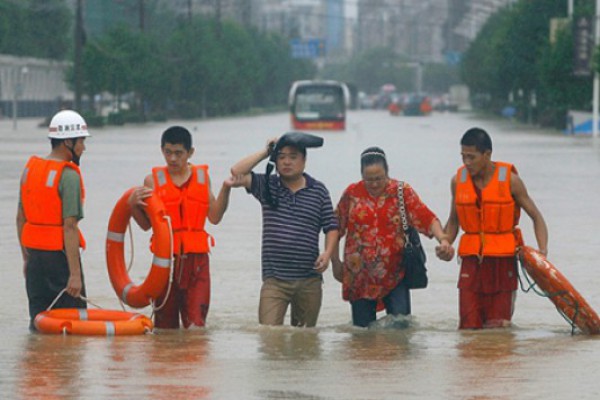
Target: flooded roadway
x=234, y=358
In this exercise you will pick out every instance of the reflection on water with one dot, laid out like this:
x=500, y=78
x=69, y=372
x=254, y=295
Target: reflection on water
x=287, y=395
x=50, y=367
x=285, y=343
x=492, y=345
x=376, y=345
x=177, y=356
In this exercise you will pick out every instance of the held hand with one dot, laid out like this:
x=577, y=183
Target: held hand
x=234, y=181
x=74, y=286
x=337, y=266
x=444, y=251
x=138, y=195
x=322, y=263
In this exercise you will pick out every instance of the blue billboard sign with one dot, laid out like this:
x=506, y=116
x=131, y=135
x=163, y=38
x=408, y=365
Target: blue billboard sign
x=307, y=48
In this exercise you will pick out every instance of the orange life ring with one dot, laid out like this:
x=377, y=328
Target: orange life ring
x=156, y=282
x=560, y=291
x=79, y=321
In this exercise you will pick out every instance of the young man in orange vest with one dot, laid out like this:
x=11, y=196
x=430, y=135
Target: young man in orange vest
x=185, y=191
x=50, y=207
x=487, y=197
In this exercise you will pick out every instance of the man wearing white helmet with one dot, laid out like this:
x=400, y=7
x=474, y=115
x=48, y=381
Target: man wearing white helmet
x=50, y=207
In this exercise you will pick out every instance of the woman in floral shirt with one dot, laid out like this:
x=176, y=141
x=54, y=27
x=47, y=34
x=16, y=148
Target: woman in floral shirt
x=369, y=216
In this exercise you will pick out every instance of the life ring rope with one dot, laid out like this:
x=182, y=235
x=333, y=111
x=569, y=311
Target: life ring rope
x=545, y=280
x=87, y=300
x=533, y=286
x=171, y=277
x=162, y=262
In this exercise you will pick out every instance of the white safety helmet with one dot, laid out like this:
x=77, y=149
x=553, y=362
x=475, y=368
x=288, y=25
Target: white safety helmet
x=67, y=124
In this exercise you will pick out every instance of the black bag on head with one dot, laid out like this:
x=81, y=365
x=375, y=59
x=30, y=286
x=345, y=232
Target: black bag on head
x=297, y=139
x=413, y=256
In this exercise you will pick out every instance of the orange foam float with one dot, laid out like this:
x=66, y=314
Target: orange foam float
x=569, y=302
x=80, y=321
x=156, y=281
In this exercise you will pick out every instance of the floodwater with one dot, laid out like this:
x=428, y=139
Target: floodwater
x=234, y=357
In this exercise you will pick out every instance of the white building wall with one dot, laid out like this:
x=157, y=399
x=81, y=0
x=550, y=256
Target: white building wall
x=33, y=79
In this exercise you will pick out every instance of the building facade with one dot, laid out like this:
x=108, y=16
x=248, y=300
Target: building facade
x=425, y=30
x=32, y=87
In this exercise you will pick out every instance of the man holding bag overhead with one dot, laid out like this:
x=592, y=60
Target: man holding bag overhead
x=295, y=208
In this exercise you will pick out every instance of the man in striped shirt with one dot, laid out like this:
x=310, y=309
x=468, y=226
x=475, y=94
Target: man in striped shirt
x=295, y=209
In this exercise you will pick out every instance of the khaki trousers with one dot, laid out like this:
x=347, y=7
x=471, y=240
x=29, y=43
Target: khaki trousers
x=304, y=295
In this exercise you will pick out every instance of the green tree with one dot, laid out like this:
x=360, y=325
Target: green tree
x=507, y=53
x=195, y=68
x=13, y=22
x=437, y=78
x=35, y=28
x=374, y=68
x=482, y=68
x=50, y=23
x=560, y=90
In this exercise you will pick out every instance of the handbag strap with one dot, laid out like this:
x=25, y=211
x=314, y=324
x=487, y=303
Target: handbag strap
x=402, y=207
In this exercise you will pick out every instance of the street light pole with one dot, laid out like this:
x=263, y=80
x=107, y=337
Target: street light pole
x=15, y=106
x=77, y=67
x=17, y=92
x=570, y=7
x=596, y=101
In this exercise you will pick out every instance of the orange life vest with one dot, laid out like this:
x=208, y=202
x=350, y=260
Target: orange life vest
x=42, y=204
x=187, y=206
x=489, y=223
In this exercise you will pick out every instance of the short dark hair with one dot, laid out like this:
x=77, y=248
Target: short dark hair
x=300, y=149
x=177, y=135
x=477, y=137
x=54, y=142
x=373, y=155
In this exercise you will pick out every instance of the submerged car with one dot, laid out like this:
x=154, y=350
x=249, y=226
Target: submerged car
x=417, y=105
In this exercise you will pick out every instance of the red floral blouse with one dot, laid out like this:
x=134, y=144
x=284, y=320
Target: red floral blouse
x=374, y=239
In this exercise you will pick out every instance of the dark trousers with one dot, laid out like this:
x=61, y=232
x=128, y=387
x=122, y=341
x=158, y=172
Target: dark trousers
x=364, y=311
x=46, y=275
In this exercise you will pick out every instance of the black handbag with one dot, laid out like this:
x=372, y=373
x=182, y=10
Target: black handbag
x=413, y=257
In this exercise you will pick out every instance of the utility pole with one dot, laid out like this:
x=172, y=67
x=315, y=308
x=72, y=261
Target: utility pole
x=570, y=7
x=596, y=101
x=78, y=52
x=142, y=13
x=141, y=100
x=218, y=17
x=246, y=16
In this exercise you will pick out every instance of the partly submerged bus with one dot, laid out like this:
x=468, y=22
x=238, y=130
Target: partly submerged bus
x=319, y=105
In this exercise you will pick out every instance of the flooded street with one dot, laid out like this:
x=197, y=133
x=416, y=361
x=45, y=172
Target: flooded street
x=234, y=357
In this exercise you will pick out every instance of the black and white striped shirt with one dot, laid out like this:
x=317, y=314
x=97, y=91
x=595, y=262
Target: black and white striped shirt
x=290, y=237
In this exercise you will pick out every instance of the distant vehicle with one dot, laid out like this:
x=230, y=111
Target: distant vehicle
x=319, y=105
x=417, y=105
x=459, y=98
x=387, y=95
